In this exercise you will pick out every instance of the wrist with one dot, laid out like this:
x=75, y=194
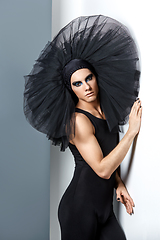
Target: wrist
x=130, y=134
x=118, y=182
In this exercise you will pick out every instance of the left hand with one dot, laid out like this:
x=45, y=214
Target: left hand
x=124, y=197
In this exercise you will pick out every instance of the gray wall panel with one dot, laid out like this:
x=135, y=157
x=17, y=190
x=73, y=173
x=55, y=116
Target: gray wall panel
x=25, y=28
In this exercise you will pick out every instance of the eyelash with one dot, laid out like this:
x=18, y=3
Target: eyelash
x=89, y=78
x=79, y=83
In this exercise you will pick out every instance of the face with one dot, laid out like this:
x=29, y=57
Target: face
x=84, y=85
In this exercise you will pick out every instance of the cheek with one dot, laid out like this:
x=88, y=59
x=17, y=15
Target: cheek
x=95, y=86
x=76, y=91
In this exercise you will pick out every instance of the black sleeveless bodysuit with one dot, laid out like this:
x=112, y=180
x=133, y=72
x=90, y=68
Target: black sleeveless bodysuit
x=86, y=210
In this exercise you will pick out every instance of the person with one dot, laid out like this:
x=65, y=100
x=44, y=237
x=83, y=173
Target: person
x=86, y=210
x=83, y=86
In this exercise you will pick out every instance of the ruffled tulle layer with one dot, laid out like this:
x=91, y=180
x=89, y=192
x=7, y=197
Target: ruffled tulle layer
x=109, y=47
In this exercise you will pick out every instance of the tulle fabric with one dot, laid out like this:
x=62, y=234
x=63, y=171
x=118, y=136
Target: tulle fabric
x=108, y=46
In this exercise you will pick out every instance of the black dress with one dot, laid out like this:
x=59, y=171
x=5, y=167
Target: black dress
x=86, y=208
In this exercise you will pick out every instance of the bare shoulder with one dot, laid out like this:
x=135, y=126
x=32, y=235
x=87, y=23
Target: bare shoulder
x=83, y=122
x=83, y=126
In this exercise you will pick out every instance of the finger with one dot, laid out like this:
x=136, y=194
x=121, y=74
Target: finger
x=138, y=104
x=126, y=206
x=122, y=199
x=138, y=109
x=130, y=200
x=129, y=207
x=138, y=101
x=133, y=109
x=135, y=106
x=140, y=112
x=129, y=204
x=118, y=195
x=118, y=198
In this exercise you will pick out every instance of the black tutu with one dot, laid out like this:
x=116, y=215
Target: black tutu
x=108, y=46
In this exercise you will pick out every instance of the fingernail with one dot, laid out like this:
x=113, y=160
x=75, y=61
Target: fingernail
x=139, y=101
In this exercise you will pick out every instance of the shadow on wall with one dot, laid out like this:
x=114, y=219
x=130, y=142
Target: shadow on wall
x=125, y=177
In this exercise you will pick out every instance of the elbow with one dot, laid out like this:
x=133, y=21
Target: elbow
x=104, y=174
x=104, y=171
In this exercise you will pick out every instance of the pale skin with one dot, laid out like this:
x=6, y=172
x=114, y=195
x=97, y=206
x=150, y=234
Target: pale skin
x=84, y=85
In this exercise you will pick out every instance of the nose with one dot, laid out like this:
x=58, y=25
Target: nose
x=87, y=86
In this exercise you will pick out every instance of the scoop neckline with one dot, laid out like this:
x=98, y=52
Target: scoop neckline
x=91, y=114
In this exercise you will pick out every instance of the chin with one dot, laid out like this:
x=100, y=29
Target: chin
x=91, y=99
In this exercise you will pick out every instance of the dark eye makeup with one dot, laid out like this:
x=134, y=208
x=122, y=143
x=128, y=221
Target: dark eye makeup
x=79, y=83
x=89, y=77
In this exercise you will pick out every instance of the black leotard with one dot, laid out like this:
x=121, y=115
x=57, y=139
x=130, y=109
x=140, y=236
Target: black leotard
x=86, y=210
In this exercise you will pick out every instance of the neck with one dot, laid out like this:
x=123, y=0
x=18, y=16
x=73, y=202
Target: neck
x=89, y=106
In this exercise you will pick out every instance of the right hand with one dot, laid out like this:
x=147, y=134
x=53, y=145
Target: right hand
x=135, y=118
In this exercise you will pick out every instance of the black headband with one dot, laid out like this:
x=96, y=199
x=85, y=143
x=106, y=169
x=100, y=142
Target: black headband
x=73, y=66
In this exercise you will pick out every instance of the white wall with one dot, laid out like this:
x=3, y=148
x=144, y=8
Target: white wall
x=62, y=164
x=142, y=18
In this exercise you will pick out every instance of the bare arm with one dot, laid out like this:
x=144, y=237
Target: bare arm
x=90, y=150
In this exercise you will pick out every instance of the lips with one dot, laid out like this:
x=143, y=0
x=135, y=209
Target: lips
x=89, y=94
